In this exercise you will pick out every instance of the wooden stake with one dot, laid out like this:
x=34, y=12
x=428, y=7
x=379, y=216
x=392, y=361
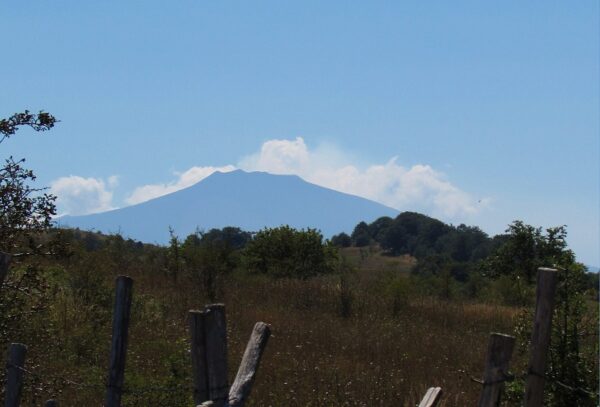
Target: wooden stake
x=14, y=374
x=500, y=349
x=118, y=350
x=540, y=339
x=198, y=353
x=241, y=387
x=215, y=333
x=432, y=397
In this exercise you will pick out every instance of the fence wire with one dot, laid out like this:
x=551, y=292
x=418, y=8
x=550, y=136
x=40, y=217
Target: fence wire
x=508, y=377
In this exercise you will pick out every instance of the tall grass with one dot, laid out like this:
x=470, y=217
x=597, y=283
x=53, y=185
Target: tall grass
x=382, y=352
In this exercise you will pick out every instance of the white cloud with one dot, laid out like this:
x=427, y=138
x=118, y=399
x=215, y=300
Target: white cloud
x=279, y=157
x=113, y=181
x=419, y=187
x=184, y=180
x=81, y=196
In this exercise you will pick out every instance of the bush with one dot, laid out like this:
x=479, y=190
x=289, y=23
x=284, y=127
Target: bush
x=341, y=240
x=287, y=252
x=399, y=291
x=360, y=235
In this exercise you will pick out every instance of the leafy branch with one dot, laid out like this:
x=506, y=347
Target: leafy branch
x=39, y=122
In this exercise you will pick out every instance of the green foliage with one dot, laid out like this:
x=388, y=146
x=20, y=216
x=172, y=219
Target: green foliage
x=511, y=290
x=372, y=317
x=341, y=240
x=361, y=236
x=573, y=353
x=573, y=364
x=287, y=252
x=572, y=369
x=513, y=264
x=414, y=234
x=465, y=243
x=475, y=286
x=379, y=227
x=400, y=291
x=432, y=265
x=39, y=122
x=230, y=238
x=174, y=259
x=430, y=241
x=525, y=249
x=24, y=210
x=207, y=256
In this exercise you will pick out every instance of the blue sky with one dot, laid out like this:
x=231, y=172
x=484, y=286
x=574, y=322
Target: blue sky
x=490, y=111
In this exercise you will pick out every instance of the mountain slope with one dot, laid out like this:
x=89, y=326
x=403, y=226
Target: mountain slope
x=250, y=201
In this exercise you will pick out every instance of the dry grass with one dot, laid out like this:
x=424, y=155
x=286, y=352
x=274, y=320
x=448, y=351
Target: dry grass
x=314, y=357
x=319, y=359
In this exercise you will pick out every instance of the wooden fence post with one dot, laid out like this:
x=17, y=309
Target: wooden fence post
x=241, y=387
x=432, y=397
x=215, y=333
x=540, y=338
x=14, y=374
x=500, y=349
x=51, y=403
x=198, y=353
x=4, y=264
x=118, y=350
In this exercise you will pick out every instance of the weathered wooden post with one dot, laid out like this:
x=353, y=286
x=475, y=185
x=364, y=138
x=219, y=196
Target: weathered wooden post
x=208, y=331
x=432, y=397
x=242, y=385
x=540, y=338
x=51, y=403
x=14, y=374
x=500, y=349
x=198, y=353
x=118, y=350
x=215, y=333
x=4, y=264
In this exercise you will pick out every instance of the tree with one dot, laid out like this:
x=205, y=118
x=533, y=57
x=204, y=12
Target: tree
x=415, y=234
x=341, y=240
x=526, y=248
x=174, y=255
x=24, y=210
x=209, y=255
x=572, y=362
x=231, y=238
x=287, y=252
x=360, y=235
x=571, y=365
x=378, y=227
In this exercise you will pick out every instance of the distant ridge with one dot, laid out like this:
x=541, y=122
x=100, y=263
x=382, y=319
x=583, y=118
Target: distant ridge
x=249, y=200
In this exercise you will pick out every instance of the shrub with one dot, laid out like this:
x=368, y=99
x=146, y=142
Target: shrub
x=287, y=252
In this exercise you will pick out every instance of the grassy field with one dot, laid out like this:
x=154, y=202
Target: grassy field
x=364, y=337
x=382, y=353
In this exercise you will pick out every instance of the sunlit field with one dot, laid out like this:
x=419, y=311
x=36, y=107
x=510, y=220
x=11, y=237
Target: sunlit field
x=384, y=351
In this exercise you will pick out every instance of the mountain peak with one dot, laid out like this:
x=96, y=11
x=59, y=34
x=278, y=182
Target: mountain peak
x=249, y=200
x=242, y=174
